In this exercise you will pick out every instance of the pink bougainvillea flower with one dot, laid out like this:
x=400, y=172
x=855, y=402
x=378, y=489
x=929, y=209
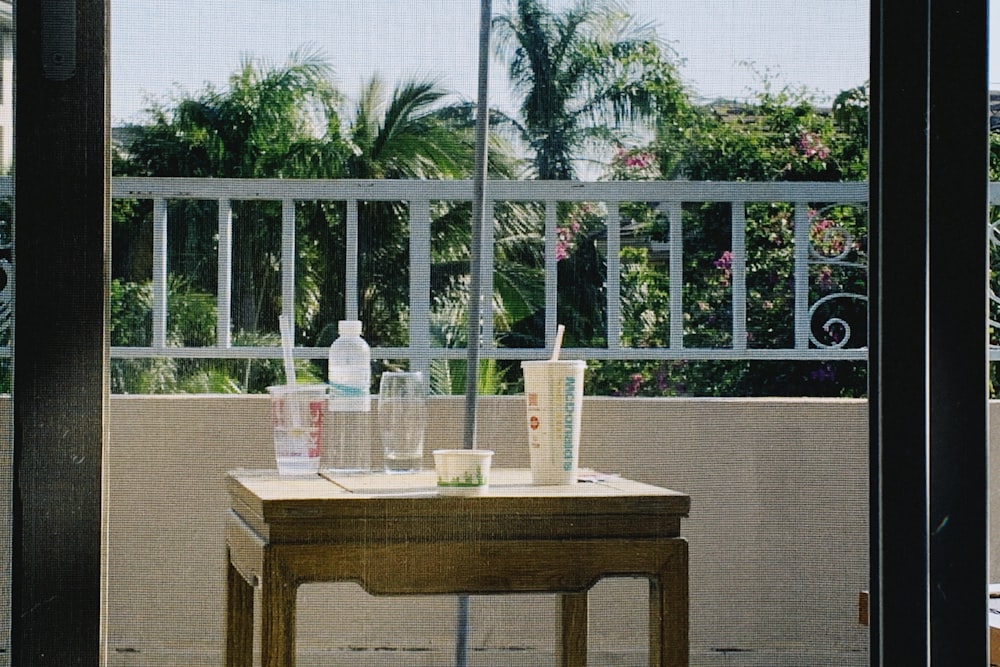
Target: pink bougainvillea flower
x=725, y=264
x=811, y=146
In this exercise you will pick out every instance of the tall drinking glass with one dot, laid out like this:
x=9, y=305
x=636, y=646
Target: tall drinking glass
x=402, y=420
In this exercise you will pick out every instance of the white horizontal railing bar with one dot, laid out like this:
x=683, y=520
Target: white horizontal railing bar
x=401, y=190
x=332, y=189
x=508, y=353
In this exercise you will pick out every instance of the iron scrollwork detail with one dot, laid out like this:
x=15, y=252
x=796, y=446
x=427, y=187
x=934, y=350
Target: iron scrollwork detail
x=837, y=251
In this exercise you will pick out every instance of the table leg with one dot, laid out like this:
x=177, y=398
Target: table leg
x=277, y=608
x=572, y=626
x=668, y=612
x=239, y=617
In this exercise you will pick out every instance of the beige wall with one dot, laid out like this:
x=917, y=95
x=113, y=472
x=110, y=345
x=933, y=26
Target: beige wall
x=778, y=534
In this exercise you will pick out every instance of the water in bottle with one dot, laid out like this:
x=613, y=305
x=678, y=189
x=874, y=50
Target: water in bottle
x=349, y=448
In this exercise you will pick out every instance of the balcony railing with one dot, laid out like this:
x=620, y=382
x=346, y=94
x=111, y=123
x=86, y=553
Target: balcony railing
x=668, y=196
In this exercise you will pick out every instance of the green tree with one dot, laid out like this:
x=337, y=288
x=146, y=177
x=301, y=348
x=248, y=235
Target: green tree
x=271, y=121
x=780, y=136
x=591, y=79
x=413, y=134
x=587, y=77
x=409, y=133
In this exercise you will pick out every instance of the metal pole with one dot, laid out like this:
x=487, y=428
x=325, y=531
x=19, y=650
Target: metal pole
x=479, y=220
x=475, y=284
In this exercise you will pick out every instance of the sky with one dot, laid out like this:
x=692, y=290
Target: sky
x=162, y=49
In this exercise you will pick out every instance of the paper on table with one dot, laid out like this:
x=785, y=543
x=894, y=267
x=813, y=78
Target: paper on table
x=423, y=483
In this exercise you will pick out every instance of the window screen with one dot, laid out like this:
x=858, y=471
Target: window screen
x=681, y=186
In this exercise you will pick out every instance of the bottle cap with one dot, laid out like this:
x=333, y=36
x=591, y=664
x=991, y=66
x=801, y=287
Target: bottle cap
x=349, y=328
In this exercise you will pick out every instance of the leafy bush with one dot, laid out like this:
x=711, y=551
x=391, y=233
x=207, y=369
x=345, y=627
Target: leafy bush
x=191, y=322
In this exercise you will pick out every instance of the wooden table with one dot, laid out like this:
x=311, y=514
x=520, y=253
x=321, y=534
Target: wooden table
x=284, y=532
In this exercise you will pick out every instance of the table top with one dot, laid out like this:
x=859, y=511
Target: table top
x=336, y=505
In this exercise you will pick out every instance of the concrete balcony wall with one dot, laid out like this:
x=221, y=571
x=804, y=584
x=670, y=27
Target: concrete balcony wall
x=778, y=535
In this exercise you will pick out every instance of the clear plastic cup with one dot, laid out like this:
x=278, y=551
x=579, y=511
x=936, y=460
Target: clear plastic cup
x=402, y=420
x=553, y=392
x=297, y=419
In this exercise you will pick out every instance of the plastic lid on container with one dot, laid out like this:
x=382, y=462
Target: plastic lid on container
x=349, y=328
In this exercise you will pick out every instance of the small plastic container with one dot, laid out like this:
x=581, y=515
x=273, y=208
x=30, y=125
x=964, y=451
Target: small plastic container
x=462, y=472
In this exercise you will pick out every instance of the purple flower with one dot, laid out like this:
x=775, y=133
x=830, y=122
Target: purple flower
x=725, y=261
x=725, y=264
x=835, y=331
x=826, y=283
x=631, y=387
x=639, y=160
x=823, y=374
x=635, y=160
x=564, y=240
x=661, y=380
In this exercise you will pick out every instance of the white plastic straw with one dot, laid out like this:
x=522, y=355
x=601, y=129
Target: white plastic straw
x=285, y=323
x=558, y=344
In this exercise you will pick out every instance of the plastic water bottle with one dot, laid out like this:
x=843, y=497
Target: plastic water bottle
x=350, y=402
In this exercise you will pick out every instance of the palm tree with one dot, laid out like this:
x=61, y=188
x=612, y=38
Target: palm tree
x=411, y=134
x=271, y=121
x=587, y=76
x=408, y=133
x=284, y=122
x=263, y=125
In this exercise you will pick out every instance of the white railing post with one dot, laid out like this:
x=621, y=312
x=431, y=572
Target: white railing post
x=420, y=285
x=486, y=279
x=675, y=211
x=288, y=261
x=612, y=280
x=801, y=236
x=159, y=273
x=551, y=263
x=351, y=261
x=225, y=287
x=739, y=275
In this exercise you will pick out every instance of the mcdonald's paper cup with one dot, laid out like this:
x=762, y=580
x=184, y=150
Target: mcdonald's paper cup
x=553, y=392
